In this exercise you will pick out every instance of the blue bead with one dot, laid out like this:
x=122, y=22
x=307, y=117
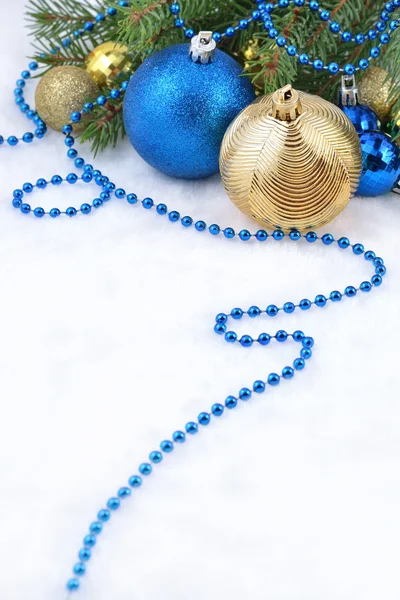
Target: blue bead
x=304, y=59
x=281, y=336
x=147, y=203
x=131, y=198
x=376, y=280
x=220, y=328
x=101, y=100
x=311, y=237
x=334, y=27
x=174, y=216
x=299, y=364
x=104, y=515
x=75, y=117
x=363, y=63
x=245, y=394
x=305, y=304
x=281, y=41
x=214, y=229
x=380, y=270
x=27, y=187
x=236, y=313
x=217, y=410
x=87, y=177
x=120, y=193
x=221, y=318
x=335, y=296
x=307, y=342
x=200, y=225
x=71, y=211
x=278, y=235
x=174, y=8
x=124, y=492
x=25, y=208
x=358, y=249
x=72, y=178
x=85, y=208
x=135, y=481
x=113, y=503
x=289, y=307
x=333, y=68
x=56, y=180
x=291, y=50
x=295, y=235
x=96, y=527
x=79, y=569
x=369, y=255
x=306, y=353
x=264, y=339
x=246, y=341
x=85, y=554
x=12, y=140
x=359, y=39
x=318, y=64
x=272, y=310
x=320, y=300
x=217, y=37
x=259, y=386
x=155, y=457
x=243, y=24
x=204, y=418
x=73, y=585
x=273, y=379
x=187, y=221
x=253, y=312
x=27, y=137
x=72, y=153
x=298, y=336
x=231, y=402
x=365, y=286
x=191, y=428
x=245, y=235
x=287, y=372
x=39, y=212
x=115, y=94
x=261, y=235
x=89, y=540
x=350, y=291
x=229, y=232
x=54, y=213
x=343, y=242
x=375, y=52
x=145, y=469
x=179, y=437
x=230, y=32
x=346, y=36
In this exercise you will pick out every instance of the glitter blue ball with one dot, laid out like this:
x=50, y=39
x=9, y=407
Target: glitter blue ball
x=176, y=111
x=380, y=164
x=362, y=117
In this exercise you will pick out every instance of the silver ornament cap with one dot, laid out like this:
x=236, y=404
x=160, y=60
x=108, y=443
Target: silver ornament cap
x=202, y=47
x=349, y=92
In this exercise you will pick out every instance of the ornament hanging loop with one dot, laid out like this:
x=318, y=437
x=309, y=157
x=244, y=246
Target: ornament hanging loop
x=286, y=105
x=202, y=47
x=349, y=91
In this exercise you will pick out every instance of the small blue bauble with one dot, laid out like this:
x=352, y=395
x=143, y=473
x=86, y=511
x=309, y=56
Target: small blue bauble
x=362, y=117
x=380, y=164
x=176, y=111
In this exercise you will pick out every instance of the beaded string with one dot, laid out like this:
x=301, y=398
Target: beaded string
x=191, y=428
x=264, y=14
x=30, y=114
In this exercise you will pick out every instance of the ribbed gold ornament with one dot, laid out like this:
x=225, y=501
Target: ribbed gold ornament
x=374, y=91
x=108, y=62
x=61, y=91
x=291, y=160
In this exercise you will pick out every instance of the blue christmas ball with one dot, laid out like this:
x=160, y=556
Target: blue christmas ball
x=380, y=164
x=362, y=117
x=176, y=111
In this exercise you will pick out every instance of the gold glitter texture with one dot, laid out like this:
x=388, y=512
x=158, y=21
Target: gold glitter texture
x=374, y=89
x=61, y=91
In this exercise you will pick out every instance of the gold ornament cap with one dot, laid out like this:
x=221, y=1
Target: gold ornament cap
x=286, y=105
x=291, y=160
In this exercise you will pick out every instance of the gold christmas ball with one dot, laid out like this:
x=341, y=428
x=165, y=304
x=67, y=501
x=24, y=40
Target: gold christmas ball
x=291, y=160
x=109, y=62
x=61, y=91
x=374, y=90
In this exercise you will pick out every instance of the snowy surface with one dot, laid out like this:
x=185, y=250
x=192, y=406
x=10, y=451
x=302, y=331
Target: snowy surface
x=107, y=347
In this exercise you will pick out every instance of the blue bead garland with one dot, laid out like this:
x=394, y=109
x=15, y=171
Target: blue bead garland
x=260, y=386
x=31, y=115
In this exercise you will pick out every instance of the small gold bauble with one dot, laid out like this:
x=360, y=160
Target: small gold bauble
x=291, y=160
x=61, y=91
x=374, y=90
x=109, y=62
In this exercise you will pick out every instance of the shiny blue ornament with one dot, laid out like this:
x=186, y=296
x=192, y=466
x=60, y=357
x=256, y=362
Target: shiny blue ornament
x=176, y=111
x=362, y=117
x=380, y=164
